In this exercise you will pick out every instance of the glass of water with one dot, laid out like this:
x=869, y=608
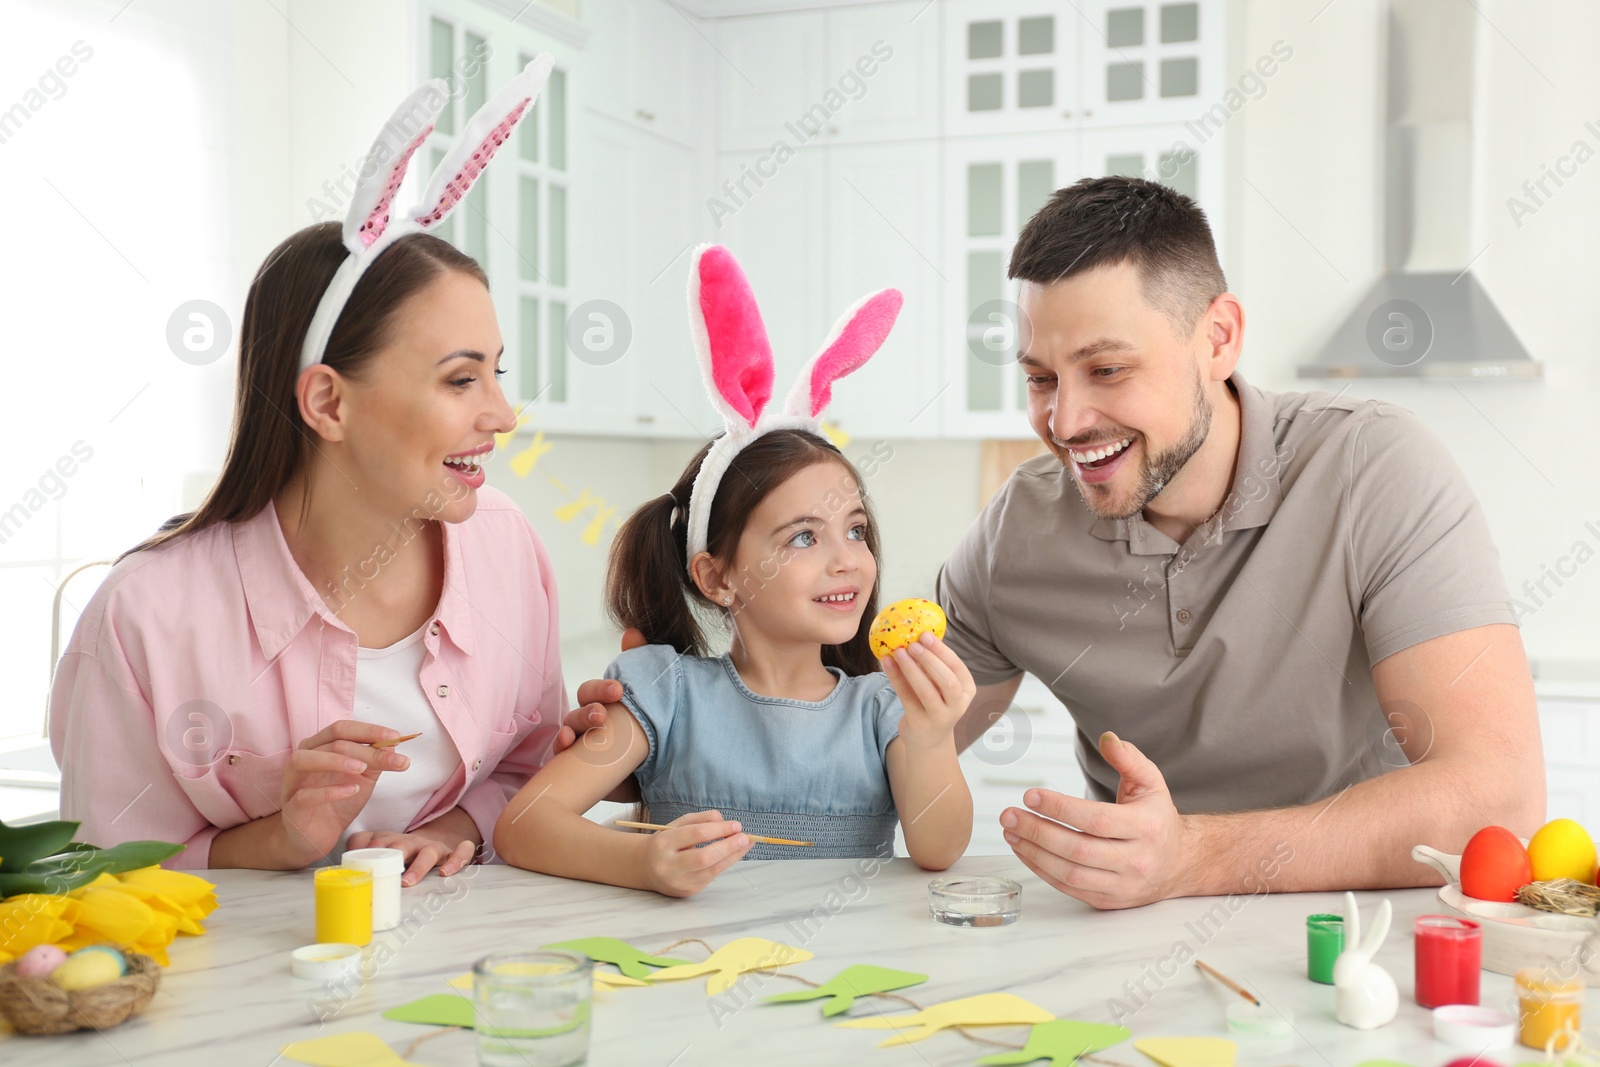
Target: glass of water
x=532, y=1008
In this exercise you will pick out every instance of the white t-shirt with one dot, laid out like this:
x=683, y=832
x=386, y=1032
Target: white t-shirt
x=389, y=692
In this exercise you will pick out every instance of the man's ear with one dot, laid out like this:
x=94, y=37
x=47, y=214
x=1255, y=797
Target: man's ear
x=1223, y=327
x=320, y=395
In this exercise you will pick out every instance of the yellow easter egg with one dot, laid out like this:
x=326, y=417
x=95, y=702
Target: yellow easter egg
x=902, y=622
x=1562, y=849
x=85, y=970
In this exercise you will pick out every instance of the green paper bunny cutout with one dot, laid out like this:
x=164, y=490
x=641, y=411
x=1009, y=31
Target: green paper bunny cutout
x=1062, y=1042
x=855, y=981
x=631, y=961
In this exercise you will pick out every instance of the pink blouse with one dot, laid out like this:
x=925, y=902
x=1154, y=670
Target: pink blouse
x=198, y=666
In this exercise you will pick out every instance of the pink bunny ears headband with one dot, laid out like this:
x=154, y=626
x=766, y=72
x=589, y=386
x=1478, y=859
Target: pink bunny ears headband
x=730, y=342
x=368, y=229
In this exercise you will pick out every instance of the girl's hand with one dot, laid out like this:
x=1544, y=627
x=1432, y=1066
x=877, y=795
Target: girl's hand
x=935, y=688
x=327, y=782
x=675, y=864
x=422, y=852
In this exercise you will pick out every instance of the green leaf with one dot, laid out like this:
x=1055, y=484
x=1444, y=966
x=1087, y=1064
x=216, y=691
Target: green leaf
x=72, y=869
x=21, y=845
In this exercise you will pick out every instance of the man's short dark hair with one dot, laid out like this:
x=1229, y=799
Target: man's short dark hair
x=1101, y=222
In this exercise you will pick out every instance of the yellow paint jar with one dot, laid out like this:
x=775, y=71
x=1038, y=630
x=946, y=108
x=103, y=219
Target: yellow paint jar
x=1549, y=1009
x=344, y=906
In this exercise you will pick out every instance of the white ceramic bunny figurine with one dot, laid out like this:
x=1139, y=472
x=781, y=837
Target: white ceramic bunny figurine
x=1365, y=994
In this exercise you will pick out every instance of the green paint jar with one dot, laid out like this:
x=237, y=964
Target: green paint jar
x=1324, y=942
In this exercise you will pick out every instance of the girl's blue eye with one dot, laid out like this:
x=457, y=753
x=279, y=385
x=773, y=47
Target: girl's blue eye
x=803, y=533
x=859, y=532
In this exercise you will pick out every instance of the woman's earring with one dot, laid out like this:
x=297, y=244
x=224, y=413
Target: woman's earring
x=727, y=601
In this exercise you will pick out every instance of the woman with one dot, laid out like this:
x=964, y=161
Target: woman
x=346, y=582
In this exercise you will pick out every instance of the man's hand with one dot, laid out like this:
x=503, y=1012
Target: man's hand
x=1120, y=855
x=593, y=696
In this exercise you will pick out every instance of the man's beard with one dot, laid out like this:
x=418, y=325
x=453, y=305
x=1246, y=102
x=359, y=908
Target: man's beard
x=1156, y=472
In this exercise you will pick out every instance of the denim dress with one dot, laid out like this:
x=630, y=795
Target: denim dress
x=804, y=770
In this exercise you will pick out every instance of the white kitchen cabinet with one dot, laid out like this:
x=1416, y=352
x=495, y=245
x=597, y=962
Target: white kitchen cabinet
x=776, y=231
x=1010, y=66
x=993, y=185
x=855, y=73
x=883, y=229
x=1569, y=726
x=893, y=51
x=648, y=67
x=1142, y=63
x=771, y=70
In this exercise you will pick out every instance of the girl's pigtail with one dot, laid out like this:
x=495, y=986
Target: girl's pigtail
x=647, y=583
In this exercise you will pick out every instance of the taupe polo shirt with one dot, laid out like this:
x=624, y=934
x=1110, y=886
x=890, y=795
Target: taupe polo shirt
x=1240, y=661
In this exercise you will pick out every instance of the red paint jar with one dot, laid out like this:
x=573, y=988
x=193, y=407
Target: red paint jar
x=1449, y=960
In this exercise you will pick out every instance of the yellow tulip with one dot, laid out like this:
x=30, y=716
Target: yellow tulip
x=178, y=886
x=113, y=915
x=31, y=919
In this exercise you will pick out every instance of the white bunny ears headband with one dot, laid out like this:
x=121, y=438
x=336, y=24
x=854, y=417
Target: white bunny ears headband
x=368, y=229
x=735, y=358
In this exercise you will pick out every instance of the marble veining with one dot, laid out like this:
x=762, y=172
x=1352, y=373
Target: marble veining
x=229, y=997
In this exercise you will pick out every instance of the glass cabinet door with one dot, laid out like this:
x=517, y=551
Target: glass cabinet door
x=1010, y=66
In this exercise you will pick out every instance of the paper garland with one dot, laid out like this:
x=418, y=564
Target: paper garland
x=1189, y=1051
x=1062, y=1041
x=356, y=1049
x=727, y=963
x=859, y=980
x=986, y=1009
x=630, y=960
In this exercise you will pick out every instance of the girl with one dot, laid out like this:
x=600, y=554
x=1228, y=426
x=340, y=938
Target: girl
x=348, y=580
x=793, y=733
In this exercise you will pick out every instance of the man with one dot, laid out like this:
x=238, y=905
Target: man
x=1281, y=615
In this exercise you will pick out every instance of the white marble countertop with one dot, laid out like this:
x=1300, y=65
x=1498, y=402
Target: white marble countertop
x=229, y=997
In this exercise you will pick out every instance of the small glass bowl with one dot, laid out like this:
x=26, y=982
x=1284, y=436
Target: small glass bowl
x=974, y=900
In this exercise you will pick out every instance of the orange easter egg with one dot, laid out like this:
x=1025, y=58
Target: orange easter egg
x=1495, y=865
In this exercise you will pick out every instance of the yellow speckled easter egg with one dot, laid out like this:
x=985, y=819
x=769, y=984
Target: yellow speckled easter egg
x=903, y=622
x=85, y=970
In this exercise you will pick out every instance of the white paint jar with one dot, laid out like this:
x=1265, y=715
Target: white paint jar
x=386, y=866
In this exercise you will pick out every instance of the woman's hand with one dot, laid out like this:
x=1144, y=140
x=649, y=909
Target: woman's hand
x=327, y=782
x=676, y=865
x=423, y=851
x=935, y=688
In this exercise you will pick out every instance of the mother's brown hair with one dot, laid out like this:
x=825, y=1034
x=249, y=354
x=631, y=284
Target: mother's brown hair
x=270, y=442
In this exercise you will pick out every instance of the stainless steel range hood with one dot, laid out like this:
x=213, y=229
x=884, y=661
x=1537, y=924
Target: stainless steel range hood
x=1427, y=317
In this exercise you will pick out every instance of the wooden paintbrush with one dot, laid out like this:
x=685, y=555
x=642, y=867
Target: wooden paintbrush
x=1229, y=982
x=753, y=837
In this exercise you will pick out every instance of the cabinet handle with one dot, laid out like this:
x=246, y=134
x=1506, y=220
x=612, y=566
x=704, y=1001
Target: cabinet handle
x=648, y=116
x=1066, y=114
x=1018, y=783
x=833, y=131
x=646, y=418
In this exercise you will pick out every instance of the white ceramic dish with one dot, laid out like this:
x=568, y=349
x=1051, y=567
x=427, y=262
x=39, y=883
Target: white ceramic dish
x=1517, y=936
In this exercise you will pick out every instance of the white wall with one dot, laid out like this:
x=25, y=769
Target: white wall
x=1308, y=148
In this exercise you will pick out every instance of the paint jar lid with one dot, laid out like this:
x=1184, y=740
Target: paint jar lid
x=380, y=861
x=325, y=962
x=1469, y=1026
x=975, y=900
